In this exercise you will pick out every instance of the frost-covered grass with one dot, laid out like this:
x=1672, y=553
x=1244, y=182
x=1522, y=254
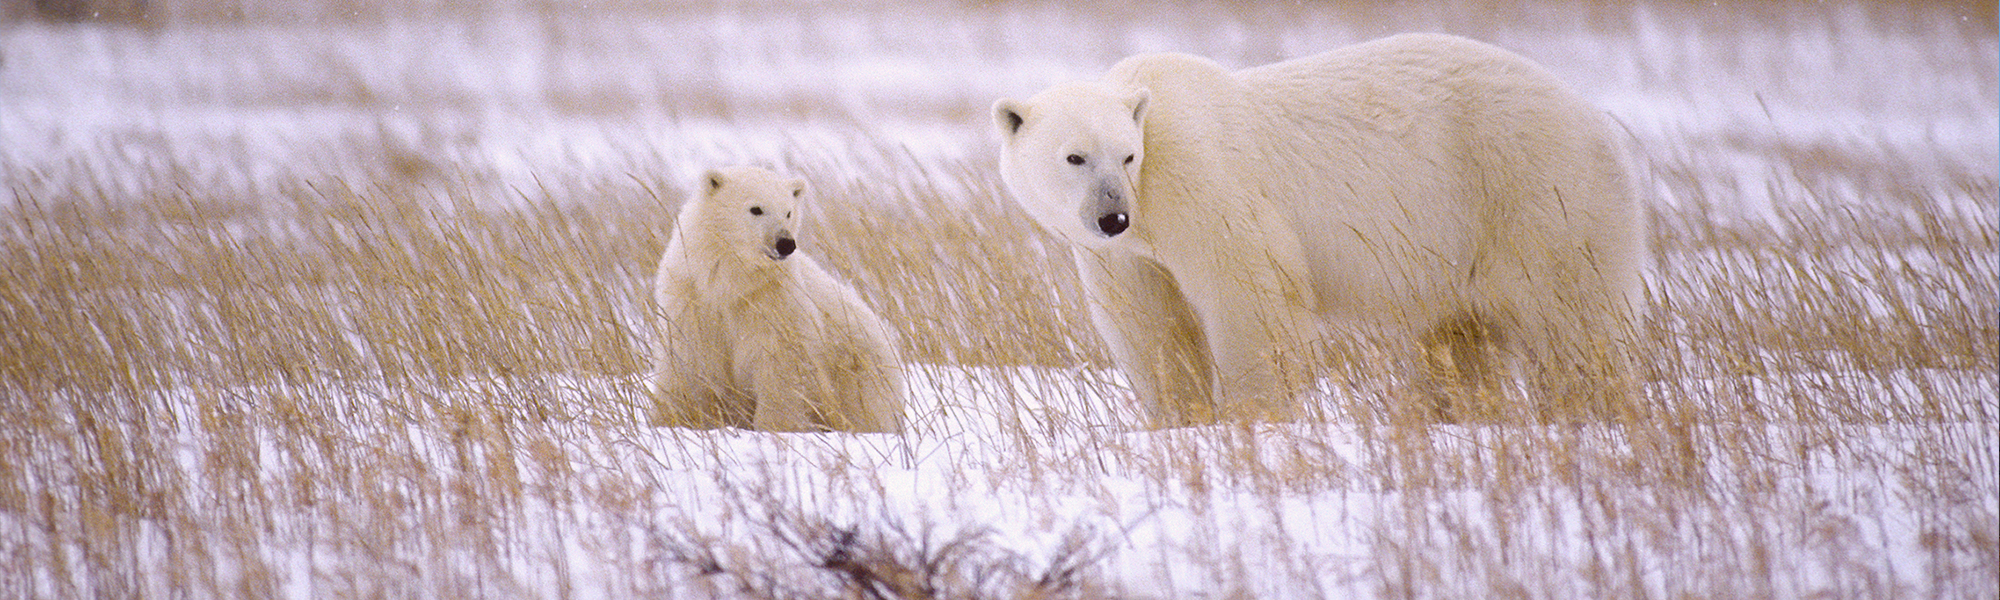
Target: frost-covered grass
x=347, y=300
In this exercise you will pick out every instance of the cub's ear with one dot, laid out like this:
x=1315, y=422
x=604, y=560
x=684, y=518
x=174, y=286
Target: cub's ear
x=798, y=187
x=711, y=181
x=1008, y=115
x=1139, y=99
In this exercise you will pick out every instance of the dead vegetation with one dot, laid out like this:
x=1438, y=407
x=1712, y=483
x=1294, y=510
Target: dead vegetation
x=217, y=384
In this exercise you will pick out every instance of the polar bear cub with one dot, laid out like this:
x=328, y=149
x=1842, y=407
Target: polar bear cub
x=753, y=333
x=1437, y=192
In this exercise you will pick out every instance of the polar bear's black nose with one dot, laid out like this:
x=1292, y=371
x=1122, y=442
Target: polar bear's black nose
x=786, y=246
x=1112, y=224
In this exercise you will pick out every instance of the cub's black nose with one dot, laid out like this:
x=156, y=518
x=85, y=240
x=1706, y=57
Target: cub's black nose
x=1112, y=224
x=786, y=246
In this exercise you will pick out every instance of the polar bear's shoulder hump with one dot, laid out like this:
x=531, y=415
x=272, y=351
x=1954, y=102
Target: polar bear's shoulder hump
x=1164, y=66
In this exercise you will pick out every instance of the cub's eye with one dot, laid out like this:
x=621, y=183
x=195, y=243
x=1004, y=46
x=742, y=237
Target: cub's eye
x=788, y=214
x=1128, y=159
x=756, y=210
x=1076, y=159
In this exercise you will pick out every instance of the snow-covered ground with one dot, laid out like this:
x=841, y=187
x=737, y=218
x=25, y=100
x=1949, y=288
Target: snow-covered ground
x=572, y=508
x=1798, y=156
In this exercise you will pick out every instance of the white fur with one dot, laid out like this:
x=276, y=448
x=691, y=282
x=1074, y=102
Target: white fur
x=751, y=338
x=1428, y=187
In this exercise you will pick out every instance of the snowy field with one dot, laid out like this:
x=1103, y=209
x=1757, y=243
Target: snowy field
x=331, y=299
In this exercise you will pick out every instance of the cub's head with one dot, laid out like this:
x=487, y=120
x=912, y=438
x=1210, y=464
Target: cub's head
x=1071, y=157
x=750, y=212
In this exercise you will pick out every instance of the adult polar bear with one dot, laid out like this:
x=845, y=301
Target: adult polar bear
x=1433, y=189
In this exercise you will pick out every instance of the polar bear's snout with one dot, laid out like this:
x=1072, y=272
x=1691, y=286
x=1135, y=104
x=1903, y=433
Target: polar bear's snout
x=1112, y=224
x=1108, y=213
x=783, y=246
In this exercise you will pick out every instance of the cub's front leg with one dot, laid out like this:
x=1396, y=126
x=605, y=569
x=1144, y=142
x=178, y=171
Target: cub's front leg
x=691, y=383
x=783, y=379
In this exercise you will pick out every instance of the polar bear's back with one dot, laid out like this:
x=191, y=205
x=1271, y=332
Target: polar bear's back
x=1492, y=165
x=1437, y=155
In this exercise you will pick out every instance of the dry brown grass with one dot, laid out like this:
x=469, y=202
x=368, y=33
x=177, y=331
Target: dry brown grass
x=424, y=384
x=302, y=337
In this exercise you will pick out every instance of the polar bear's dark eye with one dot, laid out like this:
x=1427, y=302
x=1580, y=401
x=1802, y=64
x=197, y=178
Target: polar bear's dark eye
x=756, y=210
x=1128, y=159
x=1076, y=159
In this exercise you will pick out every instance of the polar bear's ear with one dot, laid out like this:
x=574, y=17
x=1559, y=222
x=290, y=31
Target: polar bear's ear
x=1139, y=99
x=712, y=180
x=1008, y=116
x=798, y=187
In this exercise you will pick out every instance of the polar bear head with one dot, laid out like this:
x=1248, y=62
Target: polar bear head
x=1071, y=157
x=748, y=213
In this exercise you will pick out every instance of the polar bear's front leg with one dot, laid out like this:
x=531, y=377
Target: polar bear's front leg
x=1260, y=355
x=1254, y=310
x=883, y=390
x=683, y=401
x=784, y=402
x=868, y=384
x=782, y=372
x=691, y=384
x=1152, y=333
